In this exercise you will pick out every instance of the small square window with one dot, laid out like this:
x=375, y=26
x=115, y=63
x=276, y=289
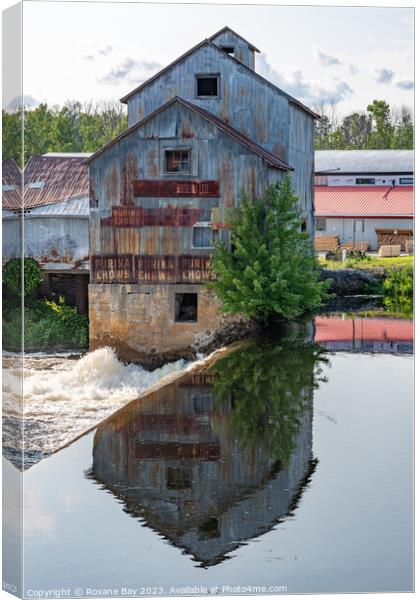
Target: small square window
x=178, y=479
x=207, y=85
x=177, y=161
x=204, y=237
x=365, y=181
x=228, y=49
x=186, y=308
x=321, y=224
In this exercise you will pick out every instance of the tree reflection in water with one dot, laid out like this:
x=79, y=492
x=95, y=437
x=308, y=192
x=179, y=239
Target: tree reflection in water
x=270, y=385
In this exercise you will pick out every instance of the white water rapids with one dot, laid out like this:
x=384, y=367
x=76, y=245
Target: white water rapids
x=63, y=397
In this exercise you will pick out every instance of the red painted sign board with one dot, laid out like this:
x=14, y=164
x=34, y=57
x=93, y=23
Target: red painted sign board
x=173, y=188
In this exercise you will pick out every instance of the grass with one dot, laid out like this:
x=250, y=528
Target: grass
x=372, y=262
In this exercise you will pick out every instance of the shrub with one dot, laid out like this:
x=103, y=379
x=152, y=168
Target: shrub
x=47, y=326
x=398, y=288
x=12, y=277
x=272, y=268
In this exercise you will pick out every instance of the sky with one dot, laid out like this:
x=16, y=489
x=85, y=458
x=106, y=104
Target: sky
x=95, y=51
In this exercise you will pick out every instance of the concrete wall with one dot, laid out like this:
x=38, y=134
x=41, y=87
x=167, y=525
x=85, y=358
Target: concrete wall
x=139, y=320
x=344, y=229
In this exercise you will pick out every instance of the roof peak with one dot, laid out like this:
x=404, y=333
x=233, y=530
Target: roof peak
x=227, y=28
x=209, y=42
x=275, y=161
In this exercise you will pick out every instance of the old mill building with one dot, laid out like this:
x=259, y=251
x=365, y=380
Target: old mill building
x=201, y=133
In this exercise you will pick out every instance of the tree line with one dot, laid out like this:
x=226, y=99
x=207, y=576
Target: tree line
x=77, y=127
x=378, y=127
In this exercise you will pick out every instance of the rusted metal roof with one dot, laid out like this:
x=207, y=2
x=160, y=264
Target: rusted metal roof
x=51, y=179
x=226, y=28
x=369, y=201
x=337, y=162
x=271, y=159
x=12, y=184
x=229, y=57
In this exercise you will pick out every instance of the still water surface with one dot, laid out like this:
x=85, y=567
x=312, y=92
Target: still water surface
x=281, y=465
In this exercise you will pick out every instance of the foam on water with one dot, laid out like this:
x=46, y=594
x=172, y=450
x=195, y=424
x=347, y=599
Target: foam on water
x=63, y=398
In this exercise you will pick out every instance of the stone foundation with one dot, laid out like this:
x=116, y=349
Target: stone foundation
x=139, y=321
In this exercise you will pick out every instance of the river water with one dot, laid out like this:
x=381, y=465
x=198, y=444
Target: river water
x=285, y=464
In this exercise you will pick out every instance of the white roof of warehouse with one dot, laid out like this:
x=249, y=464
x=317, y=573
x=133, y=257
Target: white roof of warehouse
x=335, y=162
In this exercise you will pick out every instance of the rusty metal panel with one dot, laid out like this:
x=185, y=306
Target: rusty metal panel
x=131, y=268
x=173, y=188
x=137, y=216
x=112, y=269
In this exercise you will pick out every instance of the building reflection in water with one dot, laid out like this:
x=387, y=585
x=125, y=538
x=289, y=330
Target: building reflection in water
x=220, y=456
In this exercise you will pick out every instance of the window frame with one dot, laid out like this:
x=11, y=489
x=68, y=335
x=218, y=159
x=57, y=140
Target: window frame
x=177, y=149
x=365, y=181
x=317, y=219
x=207, y=76
x=204, y=225
x=226, y=48
x=403, y=181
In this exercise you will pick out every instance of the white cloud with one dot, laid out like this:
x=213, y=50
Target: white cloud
x=383, y=75
x=405, y=84
x=309, y=92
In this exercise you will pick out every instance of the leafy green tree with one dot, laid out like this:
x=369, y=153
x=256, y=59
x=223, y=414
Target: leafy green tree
x=399, y=290
x=271, y=268
x=382, y=136
x=356, y=129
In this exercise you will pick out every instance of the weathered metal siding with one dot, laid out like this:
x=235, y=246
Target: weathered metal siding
x=301, y=157
x=245, y=101
x=243, y=52
x=162, y=225
x=48, y=239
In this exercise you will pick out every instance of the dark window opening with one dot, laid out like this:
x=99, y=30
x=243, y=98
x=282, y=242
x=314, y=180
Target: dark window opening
x=303, y=227
x=186, y=308
x=177, y=161
x=229, y=49
x=321, y=224
x=203, y=402
x=204, y=237
x=207, y=86
x=365, y=181
x=209, y=529
x=178, y=479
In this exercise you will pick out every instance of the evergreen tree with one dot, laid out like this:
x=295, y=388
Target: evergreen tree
x=271, y=268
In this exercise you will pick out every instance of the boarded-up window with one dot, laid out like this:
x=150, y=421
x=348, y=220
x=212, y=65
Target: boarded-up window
x=177, y=161
x=204, y=237
x=207, y=85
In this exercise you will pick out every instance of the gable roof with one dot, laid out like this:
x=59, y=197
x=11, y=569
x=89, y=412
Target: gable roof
x=271, y=159
x=225, y=29
x=50, y=179
x=208, y=42
x=337, y=162
x=369, y=201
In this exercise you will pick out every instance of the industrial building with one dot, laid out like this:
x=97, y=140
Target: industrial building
x=202, y=132
x=55, y=211
x=364, y=198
